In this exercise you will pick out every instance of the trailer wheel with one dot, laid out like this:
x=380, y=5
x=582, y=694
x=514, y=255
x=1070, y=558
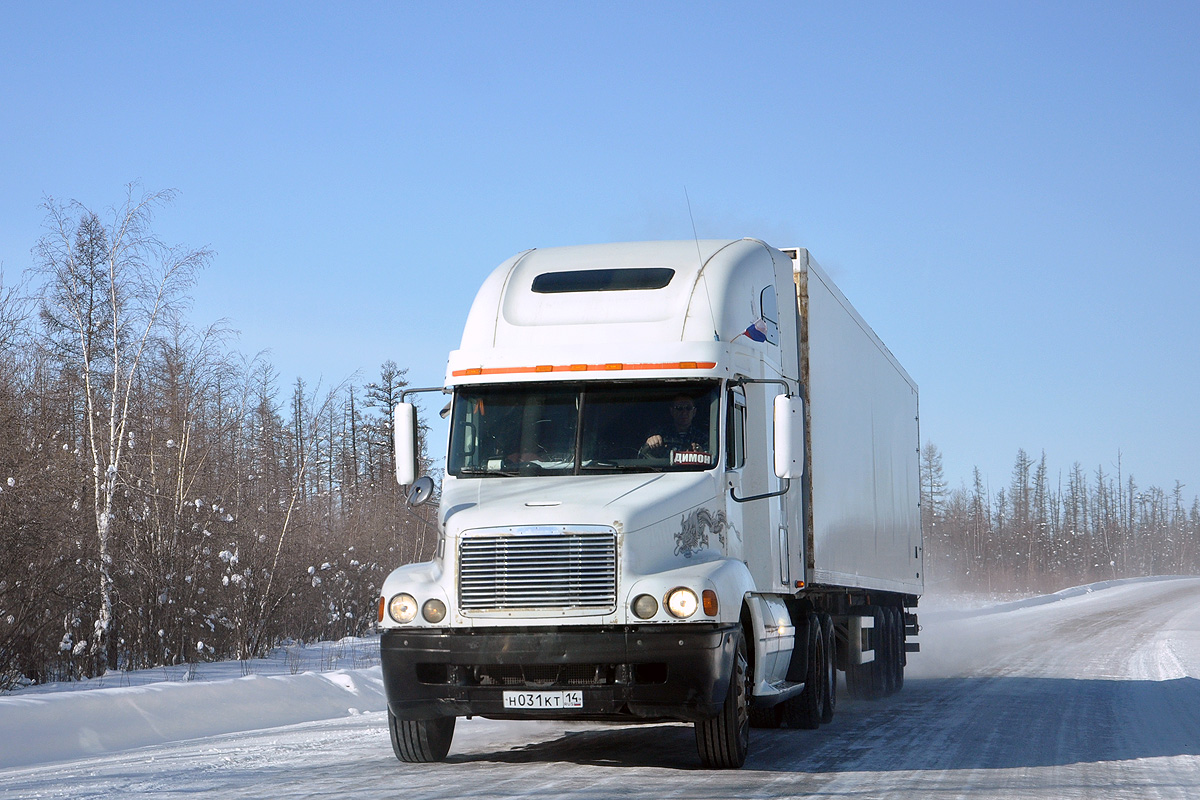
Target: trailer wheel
x=806, y=710
x=901, y=657
x=868, y=681
x=885, y=656
x=830, y=704
x=881, y=675
x=858, y=680
x=420, y=740
x=724, y=740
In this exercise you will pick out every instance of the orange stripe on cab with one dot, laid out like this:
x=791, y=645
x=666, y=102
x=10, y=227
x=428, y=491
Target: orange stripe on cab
x=609, y=367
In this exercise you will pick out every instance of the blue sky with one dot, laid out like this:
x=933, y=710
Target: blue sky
x=1008, y=192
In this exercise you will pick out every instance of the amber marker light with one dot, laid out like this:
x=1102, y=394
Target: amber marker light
x=382, y=605
x=710, y=602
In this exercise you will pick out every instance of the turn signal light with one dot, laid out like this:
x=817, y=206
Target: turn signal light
x=710, y=602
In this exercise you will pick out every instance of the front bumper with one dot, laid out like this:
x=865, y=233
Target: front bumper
x=677, y=672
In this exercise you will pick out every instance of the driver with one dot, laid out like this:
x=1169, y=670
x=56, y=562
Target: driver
x=682, y=434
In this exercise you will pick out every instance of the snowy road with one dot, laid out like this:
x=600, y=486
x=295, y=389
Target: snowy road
x=1096, y=695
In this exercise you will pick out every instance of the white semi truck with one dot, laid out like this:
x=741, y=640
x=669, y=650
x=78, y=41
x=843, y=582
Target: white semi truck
x=681, y=484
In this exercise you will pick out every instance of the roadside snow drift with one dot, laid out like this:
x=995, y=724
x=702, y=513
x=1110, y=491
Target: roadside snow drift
x=41, y=727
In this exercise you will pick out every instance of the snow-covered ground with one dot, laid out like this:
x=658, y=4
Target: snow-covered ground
x=124, y=710
x=1091, y=692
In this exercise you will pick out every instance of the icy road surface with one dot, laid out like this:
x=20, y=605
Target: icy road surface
x=1093, y=695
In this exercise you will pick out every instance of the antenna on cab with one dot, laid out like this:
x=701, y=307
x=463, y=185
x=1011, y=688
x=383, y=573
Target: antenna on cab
x=700, y=259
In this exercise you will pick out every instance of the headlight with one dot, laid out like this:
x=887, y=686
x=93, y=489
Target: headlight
x=682, y=602
x=644, y=606
x=433, y=611
x=403, y=608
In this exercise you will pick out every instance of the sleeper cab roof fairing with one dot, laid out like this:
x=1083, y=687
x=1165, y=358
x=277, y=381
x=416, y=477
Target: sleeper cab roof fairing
x=640, y=306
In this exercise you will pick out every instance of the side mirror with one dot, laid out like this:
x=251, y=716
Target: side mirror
x=404, y=424
x=789, y=437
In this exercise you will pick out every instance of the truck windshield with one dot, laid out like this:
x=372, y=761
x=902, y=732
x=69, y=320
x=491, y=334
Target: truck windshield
x=569, y=429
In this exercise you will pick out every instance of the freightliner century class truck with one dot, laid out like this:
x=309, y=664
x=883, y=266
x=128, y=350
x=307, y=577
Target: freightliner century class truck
x=681, y=484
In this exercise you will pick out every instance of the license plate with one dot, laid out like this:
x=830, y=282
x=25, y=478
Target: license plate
x=534, y=701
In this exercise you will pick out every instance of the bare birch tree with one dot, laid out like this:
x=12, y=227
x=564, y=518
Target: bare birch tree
x=109, y=288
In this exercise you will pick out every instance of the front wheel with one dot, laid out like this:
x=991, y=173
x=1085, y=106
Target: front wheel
x=724, y=740
x=420, y=740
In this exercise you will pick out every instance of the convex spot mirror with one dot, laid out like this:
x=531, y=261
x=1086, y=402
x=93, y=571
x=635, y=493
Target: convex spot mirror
x=421, y=491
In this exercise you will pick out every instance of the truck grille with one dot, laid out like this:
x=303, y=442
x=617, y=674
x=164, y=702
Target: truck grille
x=545, y=567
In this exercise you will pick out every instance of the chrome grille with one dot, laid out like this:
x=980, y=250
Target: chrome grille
x=546, y=567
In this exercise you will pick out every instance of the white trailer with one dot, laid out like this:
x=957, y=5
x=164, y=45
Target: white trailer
x=681, y=484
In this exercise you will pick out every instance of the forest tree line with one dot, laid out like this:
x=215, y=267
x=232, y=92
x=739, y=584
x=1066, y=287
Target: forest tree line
x=1043, y=532
x=163, y=498
x=166, y=499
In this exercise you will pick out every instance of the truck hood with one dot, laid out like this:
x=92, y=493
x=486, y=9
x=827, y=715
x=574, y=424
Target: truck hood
x=627, y=502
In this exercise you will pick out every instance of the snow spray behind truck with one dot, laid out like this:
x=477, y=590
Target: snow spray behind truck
x=681, y=484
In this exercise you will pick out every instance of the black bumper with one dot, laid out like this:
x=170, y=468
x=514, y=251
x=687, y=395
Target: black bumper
x=674, y=672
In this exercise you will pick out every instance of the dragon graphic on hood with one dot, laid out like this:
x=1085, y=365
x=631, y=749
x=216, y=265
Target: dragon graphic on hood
x=694, y=531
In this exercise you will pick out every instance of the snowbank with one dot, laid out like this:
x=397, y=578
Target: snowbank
x=1064, y=594
x=40, y=726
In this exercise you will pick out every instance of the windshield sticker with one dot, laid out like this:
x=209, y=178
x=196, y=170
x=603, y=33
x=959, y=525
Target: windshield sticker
x=690, y=457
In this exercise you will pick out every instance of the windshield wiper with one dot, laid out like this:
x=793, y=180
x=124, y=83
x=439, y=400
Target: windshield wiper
x=612, y=466
x=484, y=472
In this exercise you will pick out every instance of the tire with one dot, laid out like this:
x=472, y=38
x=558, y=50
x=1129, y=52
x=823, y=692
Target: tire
x=858, y=681
x=901, y=656
x=881, y=644
x=805, y=711
x=830, y=636
x=887, y=649
x=856, y=674
x=724, y=740
x=420, y=741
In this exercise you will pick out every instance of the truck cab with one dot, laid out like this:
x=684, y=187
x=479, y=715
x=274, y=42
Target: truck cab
x=623, y=532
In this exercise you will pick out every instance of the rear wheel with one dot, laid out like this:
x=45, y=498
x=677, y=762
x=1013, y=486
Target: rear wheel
x=830, y=637
x=858, y=680
x=881, y=646
x=805, y=711
x=902, y=653
x=888, y=648
x=724, y=740
x=420, y=740
x=858, y=676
